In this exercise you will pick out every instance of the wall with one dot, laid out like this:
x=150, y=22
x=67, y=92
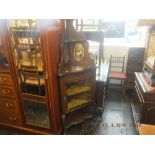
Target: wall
x=116, y=50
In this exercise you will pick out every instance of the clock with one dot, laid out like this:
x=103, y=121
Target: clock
x=79, y=52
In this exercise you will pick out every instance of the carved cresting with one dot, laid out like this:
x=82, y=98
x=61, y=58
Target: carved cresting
x=74, y=51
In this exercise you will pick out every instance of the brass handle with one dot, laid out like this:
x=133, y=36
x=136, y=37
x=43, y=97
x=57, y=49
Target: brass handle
x=3, y=79
x=11, y=118
x=5, y=91
x=9, y=105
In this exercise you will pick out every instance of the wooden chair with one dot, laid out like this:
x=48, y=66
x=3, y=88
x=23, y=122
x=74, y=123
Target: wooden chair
x=30, y=76
x=116, y=70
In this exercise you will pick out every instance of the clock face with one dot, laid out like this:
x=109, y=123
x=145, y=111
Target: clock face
x=79, y=52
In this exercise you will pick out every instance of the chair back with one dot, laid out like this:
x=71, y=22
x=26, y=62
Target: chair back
x=30, y=72
x=116, y=63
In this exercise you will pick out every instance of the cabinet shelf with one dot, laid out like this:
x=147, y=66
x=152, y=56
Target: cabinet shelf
x=75, y=103
x=77, y=118
x=77, y=90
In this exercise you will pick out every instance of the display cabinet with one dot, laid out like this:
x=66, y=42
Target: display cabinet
x=33, y=52
x=77, y=93
x=77, y=77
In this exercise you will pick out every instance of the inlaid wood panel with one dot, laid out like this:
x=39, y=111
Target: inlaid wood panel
x=7, y=104
x=6, y=91
x=5, y=79
x=12, y=118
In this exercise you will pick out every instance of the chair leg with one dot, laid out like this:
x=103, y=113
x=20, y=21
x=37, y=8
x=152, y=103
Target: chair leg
x=124, y=87
x=25, y=88
x=39, y=90
x=108, y=84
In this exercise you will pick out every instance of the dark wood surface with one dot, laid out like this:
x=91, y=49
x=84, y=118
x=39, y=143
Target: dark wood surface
x=101, y=87
x=143, y=105
x=75, y=75
x=134, y=64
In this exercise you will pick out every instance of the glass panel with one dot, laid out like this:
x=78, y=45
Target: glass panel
x=78, y=93
x=88, y=24
x=151, y=51
x=28, y=60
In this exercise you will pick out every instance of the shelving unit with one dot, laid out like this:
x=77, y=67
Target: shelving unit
x=77, y=90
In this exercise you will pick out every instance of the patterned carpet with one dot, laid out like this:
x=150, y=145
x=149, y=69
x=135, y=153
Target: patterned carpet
x=86, y=128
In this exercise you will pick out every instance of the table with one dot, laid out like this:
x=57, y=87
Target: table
x=101, y=87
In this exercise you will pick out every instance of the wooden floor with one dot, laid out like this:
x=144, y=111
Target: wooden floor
x=117, y=116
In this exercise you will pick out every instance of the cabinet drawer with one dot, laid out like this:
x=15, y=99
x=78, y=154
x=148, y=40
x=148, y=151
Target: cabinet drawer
x=5, y=79
x=6, y=91
x=139, y=92
x=136, y=107
x=12, y=118
x=7, y=104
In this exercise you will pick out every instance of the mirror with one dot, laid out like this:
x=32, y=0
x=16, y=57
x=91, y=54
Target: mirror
x=4, y=65
x=28, y=60
x=150, y=57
